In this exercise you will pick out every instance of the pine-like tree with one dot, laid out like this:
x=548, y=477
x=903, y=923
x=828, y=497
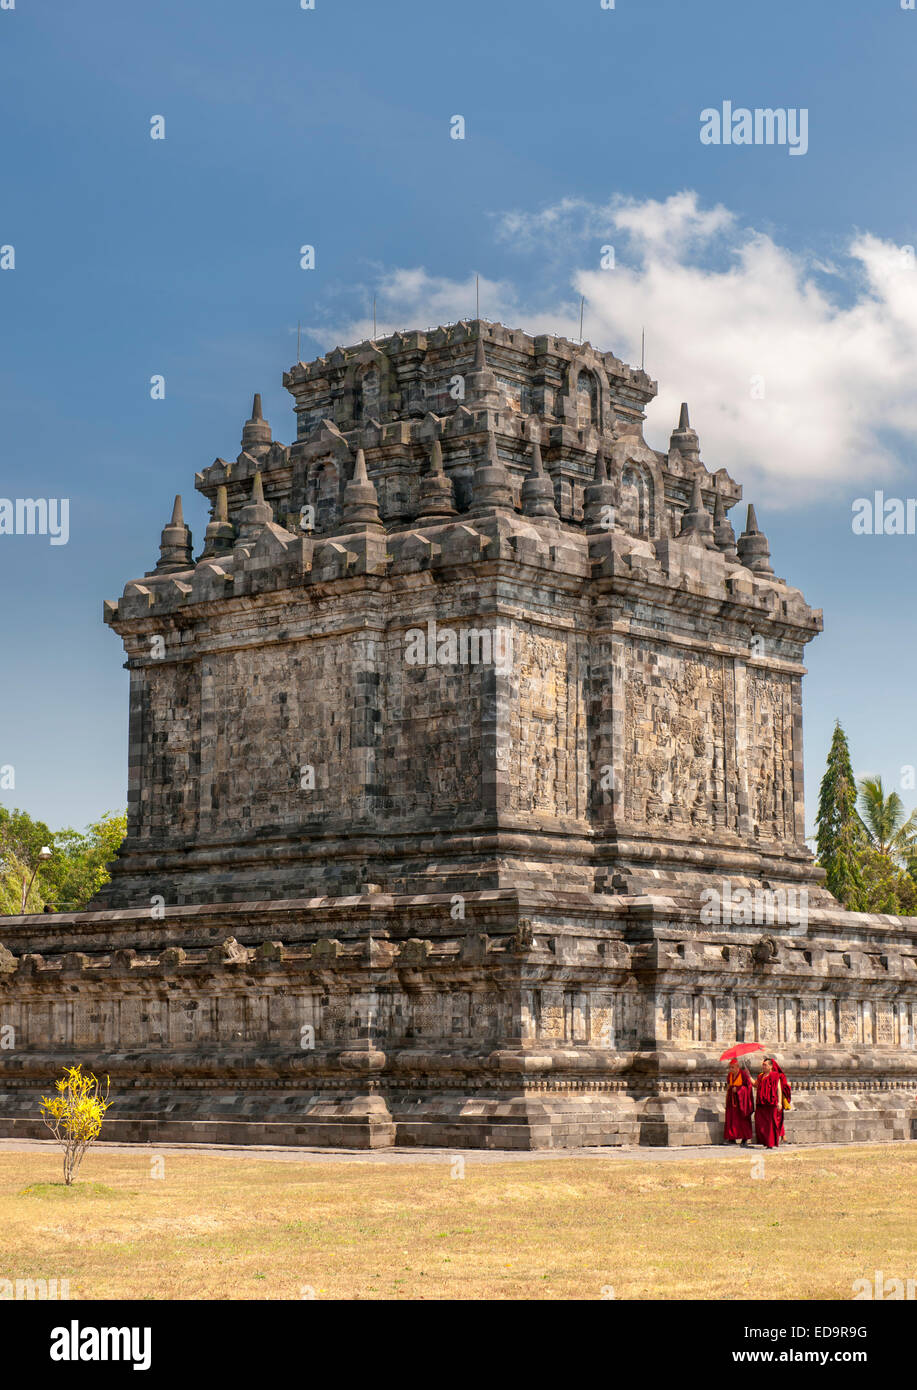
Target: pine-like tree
x=841, y=836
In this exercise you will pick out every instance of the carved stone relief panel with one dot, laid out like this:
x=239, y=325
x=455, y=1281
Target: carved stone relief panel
x=770, y=755
x=674, y=755
x=543, y=727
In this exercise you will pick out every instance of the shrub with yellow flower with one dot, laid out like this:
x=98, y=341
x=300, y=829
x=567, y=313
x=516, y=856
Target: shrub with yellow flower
x=74, y=1116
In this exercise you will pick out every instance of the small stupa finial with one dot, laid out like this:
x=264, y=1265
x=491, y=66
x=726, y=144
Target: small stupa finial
x=258, y=513
x=723, y=534
x=684, y=438
x=599, y=497
x=174, y=544
x=697, y=523
x=256, y=432
x=491, y=483
x=220, y=533
x=537, y=489
x=753, y=549
x=361, y=502
x=436, y=499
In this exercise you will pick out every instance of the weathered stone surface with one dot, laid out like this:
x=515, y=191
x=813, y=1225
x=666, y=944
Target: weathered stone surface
x=587, y=1020
x=429, y=801
x=618, y=691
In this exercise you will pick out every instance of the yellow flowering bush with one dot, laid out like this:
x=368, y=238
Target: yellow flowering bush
x=74, y=1116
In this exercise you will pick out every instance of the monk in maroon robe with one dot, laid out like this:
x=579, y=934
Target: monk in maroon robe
x=768, y=1105
x=740, y=1103
x=786, y=1093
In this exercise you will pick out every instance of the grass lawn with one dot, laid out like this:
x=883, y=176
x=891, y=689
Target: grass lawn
x=231, y=1228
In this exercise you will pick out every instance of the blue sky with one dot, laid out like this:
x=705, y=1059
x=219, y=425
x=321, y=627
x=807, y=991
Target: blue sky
x=331, y=127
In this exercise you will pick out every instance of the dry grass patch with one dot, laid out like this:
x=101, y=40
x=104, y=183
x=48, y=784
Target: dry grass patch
x=233, y=1228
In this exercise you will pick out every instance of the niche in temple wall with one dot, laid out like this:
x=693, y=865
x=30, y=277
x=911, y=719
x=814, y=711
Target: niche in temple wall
x=587, y=400
x=367, y=394
x=323, y=492
x=635, y=500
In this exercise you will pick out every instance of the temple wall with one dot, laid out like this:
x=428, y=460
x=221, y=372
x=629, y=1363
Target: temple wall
x=428, y=789
x=563, y=976
x=543, y=745
x=169, y=751
x=512, y=712
x=434, y=750
x=642, y=732
x=123, y=1017
x=678, y=748
x=273, y=713
x=327, y=1023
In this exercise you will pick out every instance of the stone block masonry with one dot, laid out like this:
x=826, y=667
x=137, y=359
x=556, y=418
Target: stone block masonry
x=367, y=899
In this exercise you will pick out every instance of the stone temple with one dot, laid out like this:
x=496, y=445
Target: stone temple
x=465, y=791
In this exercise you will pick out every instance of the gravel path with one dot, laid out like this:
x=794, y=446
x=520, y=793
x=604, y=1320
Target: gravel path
x=289, y=1154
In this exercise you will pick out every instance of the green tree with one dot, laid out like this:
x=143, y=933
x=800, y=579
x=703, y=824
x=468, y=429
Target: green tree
x=15, y=873
x=886, y=888
x=82, y=866
x=890, y=832
x=21, y=840
x=841, y=835
x=76, y=870
x=891, y=848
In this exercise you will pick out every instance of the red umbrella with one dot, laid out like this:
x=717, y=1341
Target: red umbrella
x=740, y=1049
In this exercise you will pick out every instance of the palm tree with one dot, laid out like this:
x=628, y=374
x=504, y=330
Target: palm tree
x=890, y=832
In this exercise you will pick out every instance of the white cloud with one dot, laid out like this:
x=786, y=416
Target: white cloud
x=832, y=341
x=673, y=225
x=411, y=298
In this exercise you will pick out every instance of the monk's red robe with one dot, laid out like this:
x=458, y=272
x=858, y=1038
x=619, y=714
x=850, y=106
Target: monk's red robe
x=740, y=1103
x=768, y=1110
x=788, y=1092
